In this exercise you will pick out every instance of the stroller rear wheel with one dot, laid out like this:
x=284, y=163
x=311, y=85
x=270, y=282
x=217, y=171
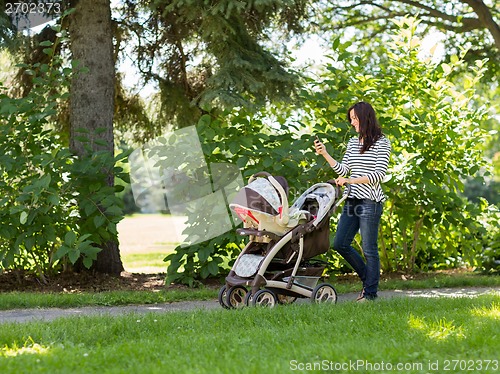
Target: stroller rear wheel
x=264, y=298
x=324, y=293
x=235, y=297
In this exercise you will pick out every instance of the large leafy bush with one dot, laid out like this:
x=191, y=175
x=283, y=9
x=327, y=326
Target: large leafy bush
x=55, y=208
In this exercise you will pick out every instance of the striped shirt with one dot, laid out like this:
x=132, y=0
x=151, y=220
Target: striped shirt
x=373, y=164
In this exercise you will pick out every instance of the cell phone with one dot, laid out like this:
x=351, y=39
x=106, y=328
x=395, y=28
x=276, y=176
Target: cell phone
x=317, y=139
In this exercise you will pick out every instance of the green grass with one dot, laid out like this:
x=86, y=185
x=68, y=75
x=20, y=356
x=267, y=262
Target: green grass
x=423, y=335
x=149, y=259
x=26, y=300
x=19, y=300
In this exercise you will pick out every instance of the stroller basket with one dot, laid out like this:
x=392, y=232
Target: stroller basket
x=303, y=281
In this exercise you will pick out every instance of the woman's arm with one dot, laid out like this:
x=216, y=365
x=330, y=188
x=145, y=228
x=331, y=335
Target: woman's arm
x=360, y=180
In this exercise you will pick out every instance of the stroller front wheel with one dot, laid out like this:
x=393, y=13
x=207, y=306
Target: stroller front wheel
x=235, y=297
x=264, y=298
x=324, y=293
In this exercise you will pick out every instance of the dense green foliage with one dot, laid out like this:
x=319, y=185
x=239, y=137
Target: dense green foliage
x=432, y=124
x=42, y=227
x=445, y=27
x=57, y=209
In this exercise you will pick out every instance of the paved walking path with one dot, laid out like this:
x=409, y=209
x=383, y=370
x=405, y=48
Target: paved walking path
x=28, y=315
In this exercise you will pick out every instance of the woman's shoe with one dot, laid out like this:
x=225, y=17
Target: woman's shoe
x=361, y=295
x=365, y=298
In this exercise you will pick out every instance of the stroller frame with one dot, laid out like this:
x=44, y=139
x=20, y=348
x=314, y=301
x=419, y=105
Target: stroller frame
x=281, y=281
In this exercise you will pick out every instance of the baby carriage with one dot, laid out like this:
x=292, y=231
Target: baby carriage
x=277, y=264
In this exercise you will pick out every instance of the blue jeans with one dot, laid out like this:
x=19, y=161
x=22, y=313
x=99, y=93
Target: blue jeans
x=363, y=215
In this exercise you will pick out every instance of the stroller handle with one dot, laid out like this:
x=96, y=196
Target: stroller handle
x=347, y=187
x=339, y=188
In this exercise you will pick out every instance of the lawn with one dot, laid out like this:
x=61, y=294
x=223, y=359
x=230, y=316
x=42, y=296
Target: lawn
x=146, y=239
x=407, y=335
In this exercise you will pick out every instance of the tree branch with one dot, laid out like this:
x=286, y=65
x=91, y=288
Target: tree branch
x=434, y=17
x=486, y=18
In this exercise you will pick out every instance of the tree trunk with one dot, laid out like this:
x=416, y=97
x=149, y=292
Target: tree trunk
x=92, y=95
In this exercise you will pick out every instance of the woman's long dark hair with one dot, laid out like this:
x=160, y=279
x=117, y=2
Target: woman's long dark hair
x=369, y=128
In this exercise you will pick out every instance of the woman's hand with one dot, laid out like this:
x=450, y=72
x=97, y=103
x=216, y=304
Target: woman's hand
x=340, y=181
x=320, y=148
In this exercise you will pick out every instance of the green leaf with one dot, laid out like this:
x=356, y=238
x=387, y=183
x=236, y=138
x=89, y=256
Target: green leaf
x=213, y=268
x=90, y=250
x=204, y=272
x=82, y=130
x=46, y=43
x=87, y=262
x=242, y=162
x=44, y=182
x=204, y=121
x=23, y=218
x=70, y=238
x=89, y=207
x=73, y=255
x=82, y=139
x=446, y=68
x=114, y=211
x=99, y=221
x=204, y=253
x=95, y=186
x=268, y=162
x=101, y=142
x=53, y=199
x=61, y=252
x=336, y=43
x=29, y=243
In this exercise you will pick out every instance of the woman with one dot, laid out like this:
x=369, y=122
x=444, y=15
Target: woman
x=364, y=167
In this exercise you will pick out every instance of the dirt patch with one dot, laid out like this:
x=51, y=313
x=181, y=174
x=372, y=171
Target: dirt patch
x=81, y=282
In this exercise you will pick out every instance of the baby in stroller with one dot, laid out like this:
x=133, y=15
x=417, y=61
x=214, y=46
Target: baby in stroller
x=277, y=265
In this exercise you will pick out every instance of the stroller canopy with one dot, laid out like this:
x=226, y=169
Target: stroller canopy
x=261, y=196
x=317, y=199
